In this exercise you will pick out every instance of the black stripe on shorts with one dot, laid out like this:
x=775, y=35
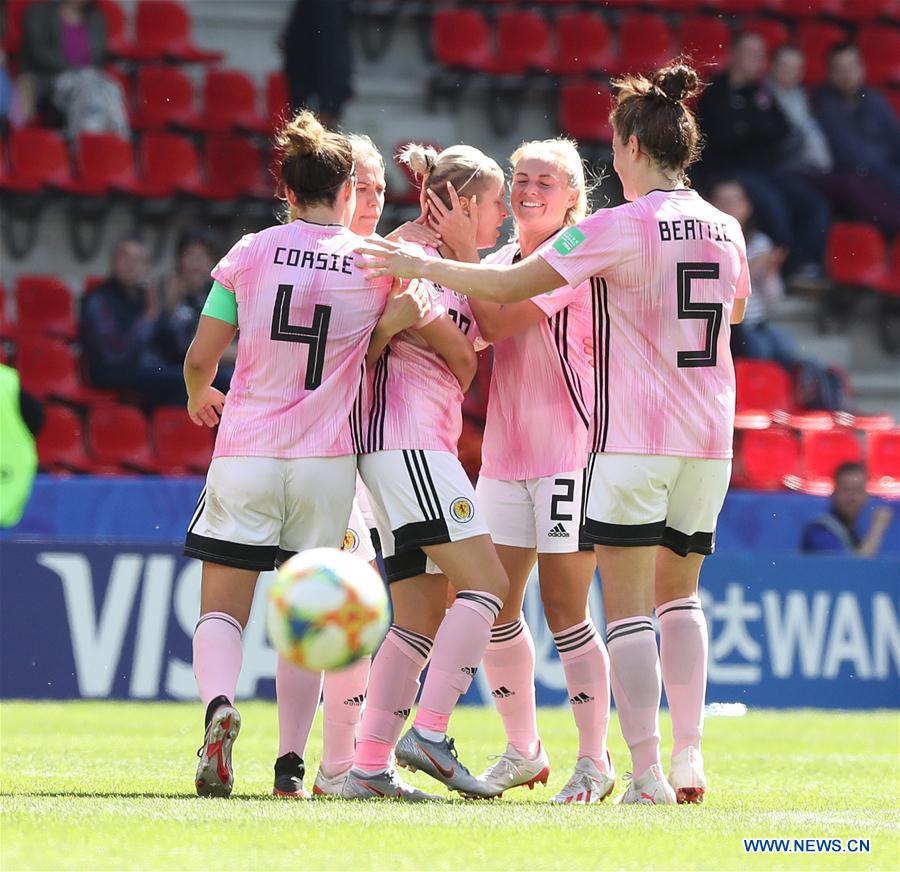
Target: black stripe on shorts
x=623, y=535
x=234, y=554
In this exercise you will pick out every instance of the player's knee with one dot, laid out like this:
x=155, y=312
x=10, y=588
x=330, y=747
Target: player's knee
x=560, y=608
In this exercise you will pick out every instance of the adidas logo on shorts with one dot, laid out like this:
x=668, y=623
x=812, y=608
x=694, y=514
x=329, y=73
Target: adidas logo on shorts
x=559, y=532
x=470, y=670
x=402, y=713
x=580, y=699
x=355, y=700
x=502, y=693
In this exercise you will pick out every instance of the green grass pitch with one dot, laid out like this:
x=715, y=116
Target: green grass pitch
x=110, y=786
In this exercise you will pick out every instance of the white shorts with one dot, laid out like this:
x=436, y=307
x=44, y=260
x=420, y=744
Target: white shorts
x=420, y=498
x=633, y=499
x=256, y=511
x=542, y=513
x=358, y=538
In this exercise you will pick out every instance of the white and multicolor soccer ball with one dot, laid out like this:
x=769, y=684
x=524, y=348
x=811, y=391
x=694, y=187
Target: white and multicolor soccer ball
x=327, y=609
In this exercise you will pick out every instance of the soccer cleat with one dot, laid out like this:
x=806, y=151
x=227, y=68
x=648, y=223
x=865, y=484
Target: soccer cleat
x=650, y=789
x=326, y=785
x=439, y=760
x=215, y=777
x=588, y=784
x=513, y=769
x=686, y=775
x=289, y=772
x=382, y=785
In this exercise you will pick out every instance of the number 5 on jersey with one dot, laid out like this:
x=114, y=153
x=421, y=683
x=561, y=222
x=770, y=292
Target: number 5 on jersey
x=315, y=336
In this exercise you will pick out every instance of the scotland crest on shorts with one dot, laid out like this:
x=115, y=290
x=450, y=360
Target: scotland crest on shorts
x=462, y=510
x=351, y=541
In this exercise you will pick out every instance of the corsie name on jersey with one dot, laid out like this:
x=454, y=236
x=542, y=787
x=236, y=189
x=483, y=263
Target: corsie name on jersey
x=683, y=229
x=319, y=260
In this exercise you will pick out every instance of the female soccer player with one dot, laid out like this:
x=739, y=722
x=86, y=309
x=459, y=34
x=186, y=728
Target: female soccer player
x=530, y=485
x=426, y=512
x=669, y=275
x=305, y=313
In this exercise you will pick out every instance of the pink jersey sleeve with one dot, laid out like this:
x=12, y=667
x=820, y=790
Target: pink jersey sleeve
x=436, y=307
x=585, y=250
x=555, y=301
x=742, y=285
x=229, y=270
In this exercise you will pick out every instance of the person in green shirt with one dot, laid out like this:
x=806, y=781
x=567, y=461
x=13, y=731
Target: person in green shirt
x=21, y=417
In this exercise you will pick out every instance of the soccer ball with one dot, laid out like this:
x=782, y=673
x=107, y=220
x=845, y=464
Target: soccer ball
x=327, y=609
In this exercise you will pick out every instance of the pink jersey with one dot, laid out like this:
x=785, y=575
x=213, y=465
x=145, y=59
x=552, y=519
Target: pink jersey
x=305, y=313
x=416, y=399
x=542, y=386
x=665, y=271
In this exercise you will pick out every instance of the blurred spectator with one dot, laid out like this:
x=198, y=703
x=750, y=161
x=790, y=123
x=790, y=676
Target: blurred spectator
x=745, y=132
x=63, y=49
x=318, y=57
x=183, y=295
x=21, y=419
x=837, y=531
x=818, y=387
x=120, y=332
x=864, y=136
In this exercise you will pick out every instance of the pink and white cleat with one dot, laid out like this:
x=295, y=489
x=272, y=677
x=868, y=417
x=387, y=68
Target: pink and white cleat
x=686, y=775
x=588, y=785
x=650, y=789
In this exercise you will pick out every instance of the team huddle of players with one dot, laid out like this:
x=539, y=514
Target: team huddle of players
x=607, y=444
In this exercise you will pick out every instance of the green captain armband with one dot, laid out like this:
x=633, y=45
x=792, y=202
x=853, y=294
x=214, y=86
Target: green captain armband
x=221, y=304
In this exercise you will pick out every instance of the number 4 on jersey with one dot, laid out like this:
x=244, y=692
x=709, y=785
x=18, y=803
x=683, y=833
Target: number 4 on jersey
x=314, y=336
x=709, y=312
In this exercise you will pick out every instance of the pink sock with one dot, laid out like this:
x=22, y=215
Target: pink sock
x=218, y=655
x=297, y=692
x=586, y=665
x=683, y=652
x=393, y=685
x=634, y=662
x=458, y=648
x=509, y=666
x=344, y=694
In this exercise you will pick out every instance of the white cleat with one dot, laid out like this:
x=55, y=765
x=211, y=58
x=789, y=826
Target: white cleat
x=650, y=789
x=513, y=769
x=326, y=785
x=587, y=784
x=686, y=775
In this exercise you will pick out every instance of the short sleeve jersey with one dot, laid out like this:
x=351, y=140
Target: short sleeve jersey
x=416, y=401
x=305, y=313
x=541, y=396
x=665, y=271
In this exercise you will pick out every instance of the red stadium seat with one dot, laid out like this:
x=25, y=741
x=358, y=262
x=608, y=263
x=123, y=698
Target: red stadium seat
x=866, y=423
x=165, y=97
x=170, y=165
x=180, y=444
x=9, y=331
x=117, y=42
x=811, y=8
x=879, y=45
x=230, y=103
x=859, y=11
x=278, y=100
x=815, y=38
x=460, y=39
x=15, y=15
x=855, y=255
x=104, y=163
x=767, y=457
x=45, y=306
x=884, y=463
x=38, y=160
x=60, y=443
x=645, y=43
x=584, y=44
x=118, y=436
x=824, y=452
x=890, y=282
x=584, y=111
x=523, y=43
x=234, y=167
x=49, y=369
x=762, y=386
x=775, y=33
x=163, y=30
x=704, y=39
x=680, y=5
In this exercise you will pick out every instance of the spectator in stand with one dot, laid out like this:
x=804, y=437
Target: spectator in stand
x=183, y=295
x=837, y=531
x=756, y=337
x=864, y=135
x=63, y=50
x=318, y=57
x=745, y=132
x=120, y=325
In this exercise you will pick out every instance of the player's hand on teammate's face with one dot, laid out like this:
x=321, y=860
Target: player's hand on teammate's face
x=382, y=258
x=456, y=225
x=418, y=232
x=206, y=408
